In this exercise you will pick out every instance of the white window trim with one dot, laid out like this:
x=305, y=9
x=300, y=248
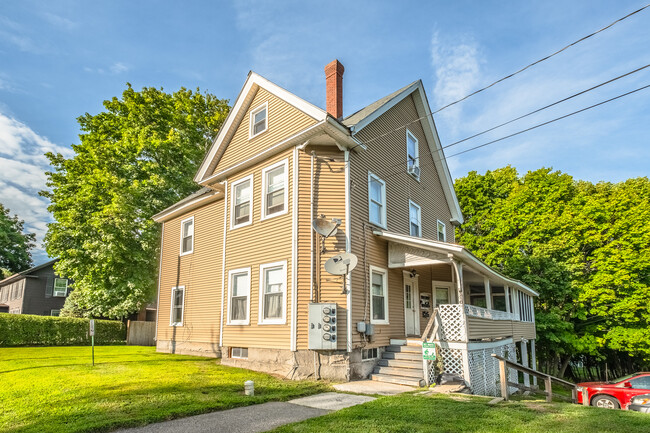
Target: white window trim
x=55, y=293
x=52, y=313
x=193, y=231
x=412, y=203
x=283, y=320
x=417, y=153
x=385, y=289
x=372, y=176
x=171, y=307
x=238, y=357
x=232, y=203
x=248, y=304
x=251, y=121
x=444, y=230
x=284, y=162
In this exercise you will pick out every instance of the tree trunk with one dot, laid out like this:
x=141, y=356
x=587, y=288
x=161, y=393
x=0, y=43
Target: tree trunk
x=565, y=364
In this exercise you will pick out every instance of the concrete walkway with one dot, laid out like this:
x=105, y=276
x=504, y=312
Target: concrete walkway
x=256, y=418
x=372, y=387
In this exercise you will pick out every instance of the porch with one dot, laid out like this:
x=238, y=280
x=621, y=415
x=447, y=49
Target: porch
x=476, y=313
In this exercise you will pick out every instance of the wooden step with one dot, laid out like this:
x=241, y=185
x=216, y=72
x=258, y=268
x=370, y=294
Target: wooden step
x=398, y=371
x=414, y=342
x=407, y=349
x=397, y=379
x=403, y=355
x=403, y=363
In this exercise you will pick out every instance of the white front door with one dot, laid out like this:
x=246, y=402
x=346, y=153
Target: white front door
x=411, y=305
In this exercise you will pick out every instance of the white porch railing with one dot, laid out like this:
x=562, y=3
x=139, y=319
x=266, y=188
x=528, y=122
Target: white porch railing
x=484, y=313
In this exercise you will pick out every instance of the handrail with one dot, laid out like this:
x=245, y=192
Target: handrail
x=432, y=323
x=432, y=319
x=548, y=379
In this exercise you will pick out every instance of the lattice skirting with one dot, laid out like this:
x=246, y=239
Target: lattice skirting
x=451, y=361
x=484, y=369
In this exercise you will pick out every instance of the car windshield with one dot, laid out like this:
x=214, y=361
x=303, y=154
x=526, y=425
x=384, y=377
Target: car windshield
x=621, y=379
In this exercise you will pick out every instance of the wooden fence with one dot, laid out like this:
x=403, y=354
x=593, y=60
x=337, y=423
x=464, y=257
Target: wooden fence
x=140, y=333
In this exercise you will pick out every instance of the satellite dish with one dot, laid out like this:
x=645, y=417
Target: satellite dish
x=341, y=264
x=326, y=228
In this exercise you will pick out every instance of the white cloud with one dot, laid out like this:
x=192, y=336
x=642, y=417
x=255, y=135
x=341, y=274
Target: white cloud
x=59, y=21
x=118, y=68
x=22, y=174
x=457, y=67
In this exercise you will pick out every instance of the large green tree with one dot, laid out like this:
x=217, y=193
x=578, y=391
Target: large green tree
x=135, y=158
x=15, y=246
x=581, y=246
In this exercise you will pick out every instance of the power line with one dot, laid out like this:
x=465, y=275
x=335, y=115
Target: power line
x=538, y=110
x=542, y=59
x=502, y=79
x=525, y=130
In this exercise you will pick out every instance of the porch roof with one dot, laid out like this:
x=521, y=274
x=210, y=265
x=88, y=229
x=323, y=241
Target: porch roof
x=449, y=251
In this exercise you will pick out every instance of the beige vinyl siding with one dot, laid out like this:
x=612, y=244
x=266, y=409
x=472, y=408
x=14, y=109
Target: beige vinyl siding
x=283, y=120
x=380, y=158
x=262, y=242
x=199, y=272
x=329, y=200
x=484, y=328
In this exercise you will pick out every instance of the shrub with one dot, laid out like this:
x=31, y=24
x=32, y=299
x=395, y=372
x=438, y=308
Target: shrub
x=28, y=330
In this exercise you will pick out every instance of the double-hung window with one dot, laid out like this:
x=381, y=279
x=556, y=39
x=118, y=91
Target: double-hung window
x=379, y=296
x=187, y=236
x=414, y=219
x=412, y=155
x=60, y=287
x=273, y=289
x=442, y=232
x=239, y=282
x=377, y=200
x=178, y=301
x=259, y=120
x=274, y=190
x=242, y=208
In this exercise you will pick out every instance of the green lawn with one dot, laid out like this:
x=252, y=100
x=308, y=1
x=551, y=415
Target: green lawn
x=454, y=414
x=56, y=389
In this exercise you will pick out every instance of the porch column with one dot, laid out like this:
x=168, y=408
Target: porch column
x=458, y=277
x=533, y=360
x=488, y=293
x=506, y=292
x=516, y=306
x=524, y=360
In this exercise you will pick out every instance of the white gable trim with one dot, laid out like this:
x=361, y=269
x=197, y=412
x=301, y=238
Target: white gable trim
x=241, y=103
x=429, y=127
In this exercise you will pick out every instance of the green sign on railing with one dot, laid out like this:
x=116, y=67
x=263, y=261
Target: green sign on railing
x=429, y=351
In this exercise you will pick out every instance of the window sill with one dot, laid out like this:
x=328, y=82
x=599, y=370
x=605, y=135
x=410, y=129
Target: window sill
x=186, y=253
x=241, y=225
x=251, y=137
x=378, y=225
x=273, y=215
x=238, y=323
x=379, y=322
x=273, y=322
x=176, y=324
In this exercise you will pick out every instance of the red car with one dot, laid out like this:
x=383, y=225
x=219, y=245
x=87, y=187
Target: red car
x=616, y=394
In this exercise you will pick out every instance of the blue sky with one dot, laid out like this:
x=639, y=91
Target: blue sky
x=59, y=60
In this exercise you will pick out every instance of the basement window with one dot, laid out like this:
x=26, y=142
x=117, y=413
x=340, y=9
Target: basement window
x=239, y=352
x=369, y=353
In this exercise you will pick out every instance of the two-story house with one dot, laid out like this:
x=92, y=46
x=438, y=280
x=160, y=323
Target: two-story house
x=241, y=264
x=38, y=290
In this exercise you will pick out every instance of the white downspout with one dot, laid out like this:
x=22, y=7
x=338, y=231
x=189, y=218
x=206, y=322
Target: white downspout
x=294, y=253
x=223, y=261
x=348, y=237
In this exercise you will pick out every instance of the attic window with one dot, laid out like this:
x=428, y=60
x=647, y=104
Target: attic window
x=259, y=120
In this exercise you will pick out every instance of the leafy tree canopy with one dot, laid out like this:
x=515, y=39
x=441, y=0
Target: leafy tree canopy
x=582, y=246
x=15, y=246
x=135, y=158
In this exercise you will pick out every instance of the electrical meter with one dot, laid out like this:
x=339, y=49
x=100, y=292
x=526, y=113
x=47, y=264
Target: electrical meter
x=322, y=326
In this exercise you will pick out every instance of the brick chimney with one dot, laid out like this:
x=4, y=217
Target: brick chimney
x=334, y=93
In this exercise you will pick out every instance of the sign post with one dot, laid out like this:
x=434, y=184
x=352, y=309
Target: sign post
x=92, y=338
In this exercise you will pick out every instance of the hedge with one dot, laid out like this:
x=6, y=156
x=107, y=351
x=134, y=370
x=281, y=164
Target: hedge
x=28, y=330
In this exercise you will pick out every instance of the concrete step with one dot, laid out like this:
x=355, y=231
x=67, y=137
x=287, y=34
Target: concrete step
x=397, y=379
x=401, y=363
x=398, y=371
x=404, y=349
x=397, y=342
x=414, y=342
x=403, y=355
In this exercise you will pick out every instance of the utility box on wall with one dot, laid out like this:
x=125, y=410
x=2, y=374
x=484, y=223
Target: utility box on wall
x=322, y=326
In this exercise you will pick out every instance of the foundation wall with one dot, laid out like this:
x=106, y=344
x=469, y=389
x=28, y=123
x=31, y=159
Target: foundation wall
x=210, y=350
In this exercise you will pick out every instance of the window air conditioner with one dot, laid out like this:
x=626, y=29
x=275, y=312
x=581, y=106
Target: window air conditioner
x=414, y=170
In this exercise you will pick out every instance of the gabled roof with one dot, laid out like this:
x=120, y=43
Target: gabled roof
x=234, y=118
x=362, y=118
x=25, y=273
x=192, y=201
